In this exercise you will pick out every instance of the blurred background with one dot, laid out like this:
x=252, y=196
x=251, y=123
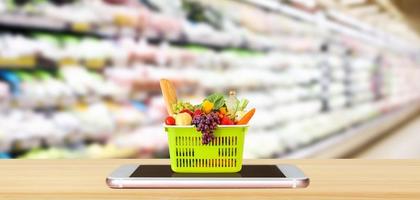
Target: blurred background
x=329, y=79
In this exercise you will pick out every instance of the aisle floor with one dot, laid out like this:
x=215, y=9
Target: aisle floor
x=403, y=143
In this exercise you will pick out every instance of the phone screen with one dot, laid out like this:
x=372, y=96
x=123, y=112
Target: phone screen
x=265, y=171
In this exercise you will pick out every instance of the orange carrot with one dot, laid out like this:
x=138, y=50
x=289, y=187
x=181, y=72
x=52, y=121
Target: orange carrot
x=245, y=119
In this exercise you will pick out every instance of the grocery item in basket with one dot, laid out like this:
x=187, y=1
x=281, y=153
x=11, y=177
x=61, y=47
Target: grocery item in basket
x=213, y=111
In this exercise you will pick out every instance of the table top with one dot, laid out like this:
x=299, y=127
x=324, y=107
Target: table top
x=330, y=179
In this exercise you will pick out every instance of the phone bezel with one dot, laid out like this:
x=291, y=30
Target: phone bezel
x=120, y=178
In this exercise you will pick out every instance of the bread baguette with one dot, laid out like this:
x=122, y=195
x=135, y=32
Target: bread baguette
x=169, y=94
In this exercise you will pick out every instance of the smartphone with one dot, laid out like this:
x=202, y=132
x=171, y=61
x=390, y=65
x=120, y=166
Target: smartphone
x=251, y=176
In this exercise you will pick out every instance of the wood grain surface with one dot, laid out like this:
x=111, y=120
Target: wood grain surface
x=330, y=179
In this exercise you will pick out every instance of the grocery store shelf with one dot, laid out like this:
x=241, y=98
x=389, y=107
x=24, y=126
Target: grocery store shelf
x=26, y=24
x=17, y=23
x=345, y=143
x=337, y=22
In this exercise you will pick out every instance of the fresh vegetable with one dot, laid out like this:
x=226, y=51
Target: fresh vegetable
x=180, y=106
x=207, y=106
x=226, y=121
x=217, y=99
x=245, y=119
x=183, y=119
x=170, y=120
x=232, y=104
x=223, y=110
x=213, y=111
x=239, y=115
x=242, y=104
x=220, y=115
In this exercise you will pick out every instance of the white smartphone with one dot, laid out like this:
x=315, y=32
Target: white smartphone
x=251, y=176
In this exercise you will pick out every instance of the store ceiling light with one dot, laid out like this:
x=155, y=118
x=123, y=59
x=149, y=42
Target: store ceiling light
x=306, y=3
x=352, y=2
x=377, y=18
x=364, y=10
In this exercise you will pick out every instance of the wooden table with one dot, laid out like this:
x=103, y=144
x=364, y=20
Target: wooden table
x=330, y=179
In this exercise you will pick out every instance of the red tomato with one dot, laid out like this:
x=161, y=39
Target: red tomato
x=197, y=112
x=170, y=120
x=227, y=121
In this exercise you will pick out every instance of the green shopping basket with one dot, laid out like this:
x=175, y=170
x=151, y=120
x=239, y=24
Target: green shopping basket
x=221, y=155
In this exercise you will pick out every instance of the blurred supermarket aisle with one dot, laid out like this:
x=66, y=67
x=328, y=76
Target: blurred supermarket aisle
x=403, y=143
x=80, y=78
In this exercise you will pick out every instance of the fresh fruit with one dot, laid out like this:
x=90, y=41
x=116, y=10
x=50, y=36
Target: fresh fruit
x=197, y=112
x=207, y=106
x=206, y=124
x=245, y=119
x=226, y=121
x=180, y=106
x=170, y=120
x=220, y=115
x=223, y=110
x=187, y=111
x=183, y=119
x=213, y=111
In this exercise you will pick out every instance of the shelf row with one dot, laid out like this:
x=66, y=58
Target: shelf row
x=101, y=20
